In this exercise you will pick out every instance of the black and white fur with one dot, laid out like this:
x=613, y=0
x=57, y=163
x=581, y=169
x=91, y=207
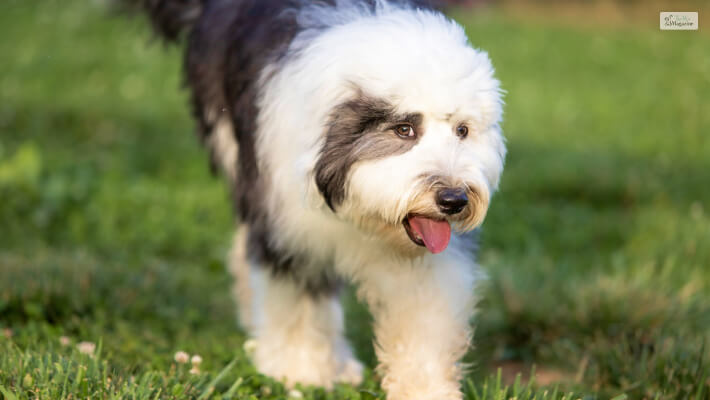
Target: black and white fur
x=301, y=104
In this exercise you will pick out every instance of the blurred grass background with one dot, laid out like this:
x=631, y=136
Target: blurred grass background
x=597, y=246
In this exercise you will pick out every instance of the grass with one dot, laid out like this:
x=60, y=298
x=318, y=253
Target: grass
x=113, y=231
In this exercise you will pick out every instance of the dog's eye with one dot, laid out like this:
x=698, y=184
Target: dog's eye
x=405, y=131
x=462, y=131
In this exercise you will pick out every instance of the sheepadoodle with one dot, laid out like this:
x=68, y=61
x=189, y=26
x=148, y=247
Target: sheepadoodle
x=361, y=142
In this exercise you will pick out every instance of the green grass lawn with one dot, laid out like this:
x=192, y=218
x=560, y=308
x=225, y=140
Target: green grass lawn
x=113, y=231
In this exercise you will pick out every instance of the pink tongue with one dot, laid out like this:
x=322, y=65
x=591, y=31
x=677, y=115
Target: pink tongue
x=435, y=234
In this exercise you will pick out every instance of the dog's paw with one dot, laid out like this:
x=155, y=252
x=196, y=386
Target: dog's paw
x=291, y=374
x=295, y=365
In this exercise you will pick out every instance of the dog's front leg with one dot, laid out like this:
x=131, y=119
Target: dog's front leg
x=297, y=328
x=421, y=309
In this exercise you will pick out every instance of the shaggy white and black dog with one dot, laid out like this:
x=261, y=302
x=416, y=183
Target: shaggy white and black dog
x=361, y=140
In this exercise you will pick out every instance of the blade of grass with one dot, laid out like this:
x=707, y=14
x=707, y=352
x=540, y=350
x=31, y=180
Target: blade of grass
x=230, y=393
x=8, y=395
x=210, y=387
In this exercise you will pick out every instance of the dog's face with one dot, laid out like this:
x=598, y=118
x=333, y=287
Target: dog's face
x=412, y=148
x=413, y=159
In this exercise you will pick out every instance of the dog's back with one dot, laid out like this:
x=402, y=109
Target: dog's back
x=229, y=42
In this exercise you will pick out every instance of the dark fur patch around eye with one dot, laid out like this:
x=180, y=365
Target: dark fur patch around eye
x=359, y=129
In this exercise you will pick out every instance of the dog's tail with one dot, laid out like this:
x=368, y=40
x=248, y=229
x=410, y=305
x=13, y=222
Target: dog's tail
x=171, y=18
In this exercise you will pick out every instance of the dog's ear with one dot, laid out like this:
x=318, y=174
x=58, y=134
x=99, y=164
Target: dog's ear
x=331, y=173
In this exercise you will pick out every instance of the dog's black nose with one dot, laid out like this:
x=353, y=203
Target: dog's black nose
x=451, y=201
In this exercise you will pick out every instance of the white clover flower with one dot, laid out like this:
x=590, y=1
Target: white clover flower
x=195, y=371
x=196, y=360
x=86, y=348
x=181, y=357
x=250, y=346
x=27, y=381
x=295, y=394
x=64, y=341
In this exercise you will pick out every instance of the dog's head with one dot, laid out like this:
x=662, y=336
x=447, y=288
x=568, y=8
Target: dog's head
x=413, y=149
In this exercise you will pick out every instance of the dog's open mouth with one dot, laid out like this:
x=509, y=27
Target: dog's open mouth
x=434, y=234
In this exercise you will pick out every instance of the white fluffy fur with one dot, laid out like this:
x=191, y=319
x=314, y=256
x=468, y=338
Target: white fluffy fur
x=420, y=62
x=298, y=338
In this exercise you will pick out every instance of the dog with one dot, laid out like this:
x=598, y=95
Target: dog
x=361, y=141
